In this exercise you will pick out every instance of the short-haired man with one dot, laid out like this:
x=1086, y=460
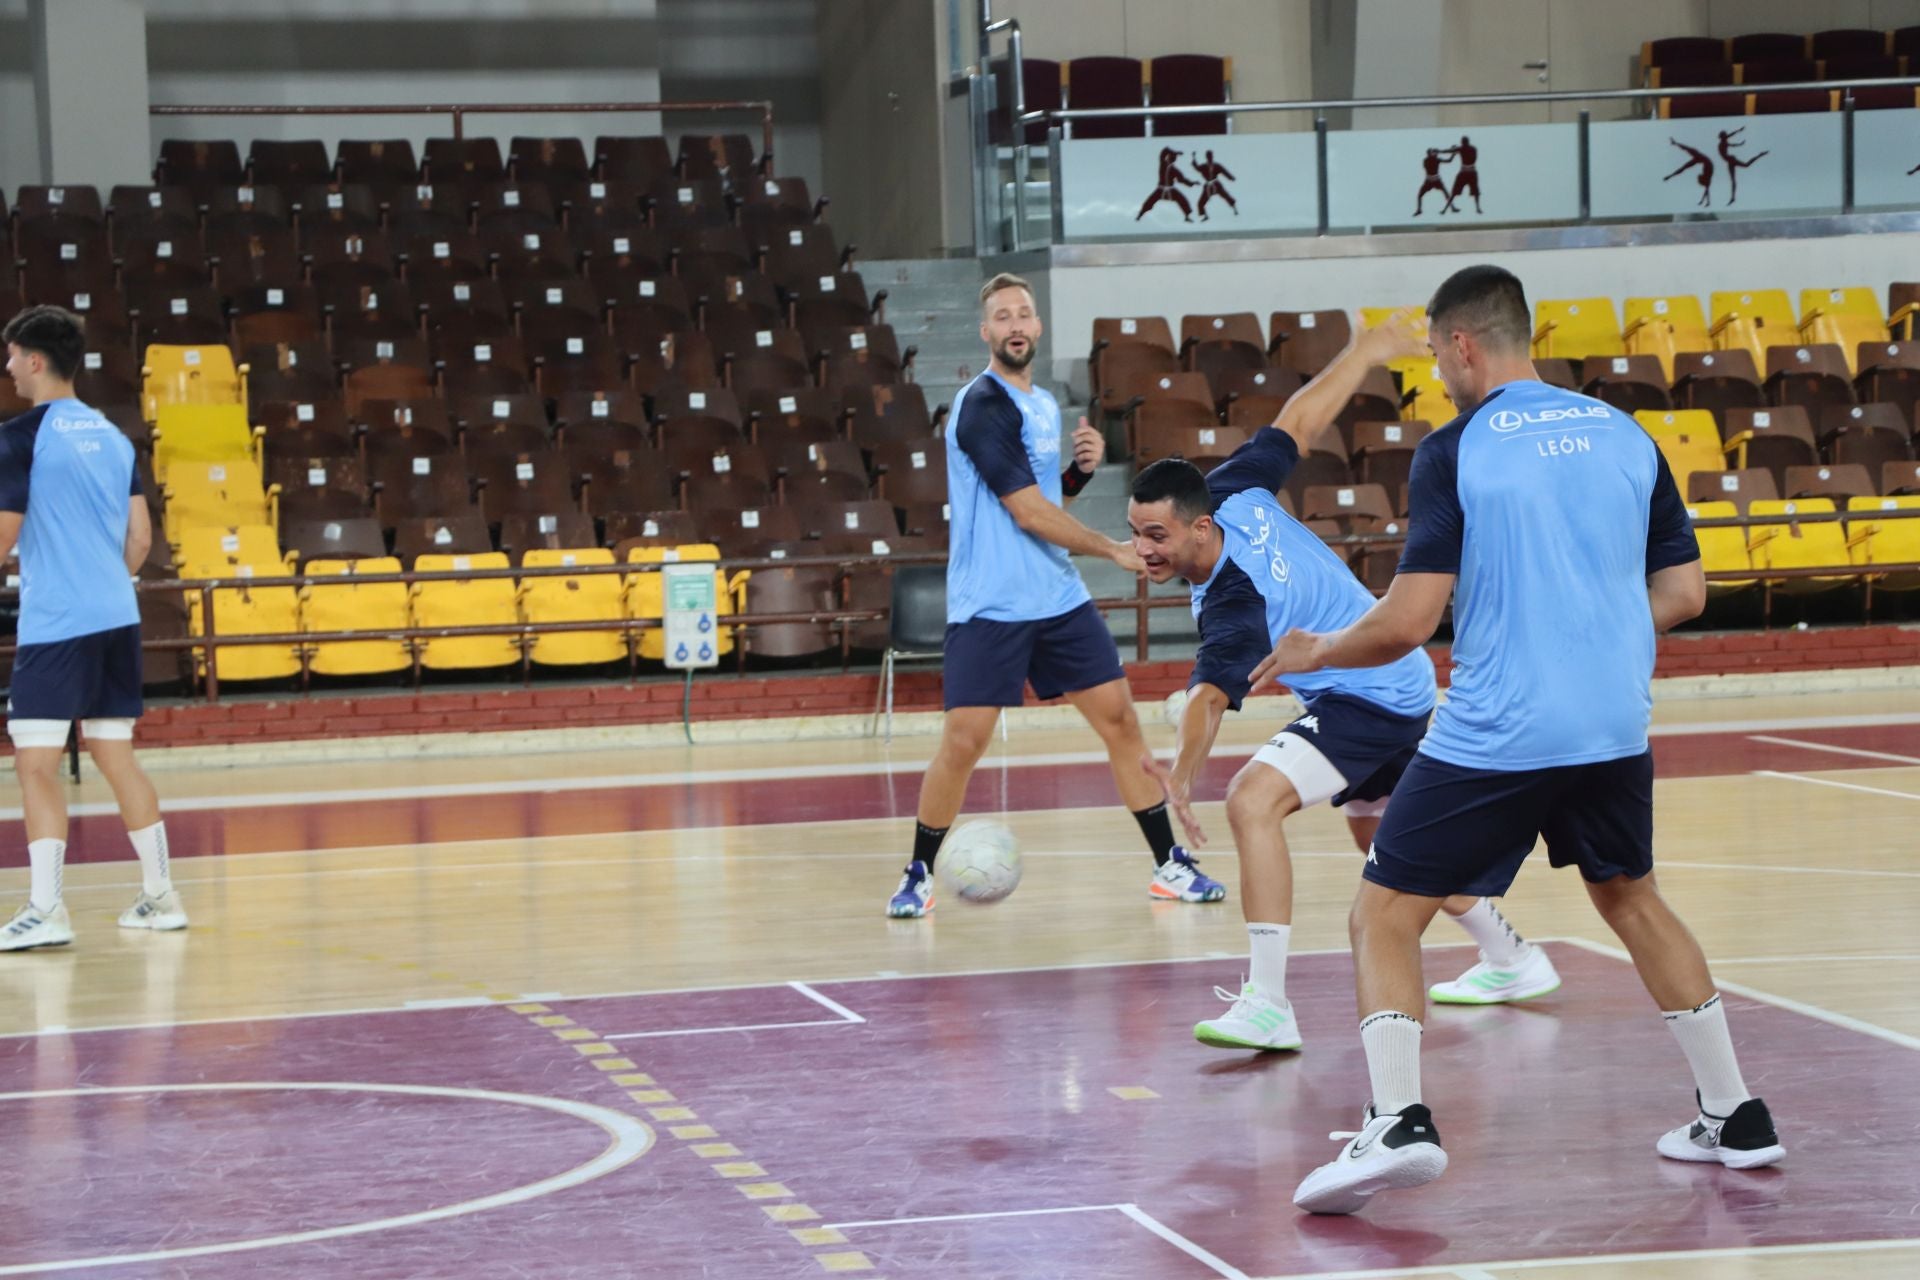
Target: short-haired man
x=70, y=501
x=1256, y=573
x=1553, y=522
x=1017, y=612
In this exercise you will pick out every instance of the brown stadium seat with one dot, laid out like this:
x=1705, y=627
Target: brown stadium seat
x=895, y=412
x=447, y=535
x=677, y=203
x=1814, y=375
x=70, y=203
x=464, y=161
x=548, y=160
x=1188, y=79
x=1148, y=339
x=1206, y=445
x=135, y=210
x=626, y=530
x=289, y=164
x=799, y=412
x=1740, y=487
x=306, y=429
x=1839, y=481
x=1628, y=383
x=1377, y=400
x=639, y=160
x=1254, y=397
x=622, y=480
x=471, y=310
x=1871, y=435
x=387, y=162
x=513, y=207
x=794, y=456
x=550, y=531
x=1105, y=82
x=871, y=517
x=250, y=208
x=1716, y=381
x=1307, y=341
x=1889, y=373
x=199, y=165
x=1346, y=503
x=911, y=474
x=1900, y=477
x=359, y=538
x=727, y=156
x=523, y=484
x=1383, y=451
x=1770, y=439
x=1327, y=465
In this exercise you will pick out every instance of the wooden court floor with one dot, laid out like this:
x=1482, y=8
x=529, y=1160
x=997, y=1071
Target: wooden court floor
x=709, y=918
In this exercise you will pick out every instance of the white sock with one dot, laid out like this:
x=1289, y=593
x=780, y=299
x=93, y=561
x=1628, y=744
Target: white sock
x=48, y=858
x=150, y=844
x=1499, y=941
x=1268, y=943
x=1392, y=1042
x=1703, y=1037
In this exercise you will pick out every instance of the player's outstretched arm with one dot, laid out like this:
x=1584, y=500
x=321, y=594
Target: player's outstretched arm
x=1400, y=622
x=1089, y=450
x=1199, y=726
x=1314, y=407
x=1039, y=517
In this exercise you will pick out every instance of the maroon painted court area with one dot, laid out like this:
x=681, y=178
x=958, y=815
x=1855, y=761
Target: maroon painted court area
x=511, y=815
x=955, y=1096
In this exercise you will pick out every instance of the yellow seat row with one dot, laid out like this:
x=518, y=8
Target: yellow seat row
x=1856, y=546
x=323, y=605
x=1755, y=319
x=195, y=375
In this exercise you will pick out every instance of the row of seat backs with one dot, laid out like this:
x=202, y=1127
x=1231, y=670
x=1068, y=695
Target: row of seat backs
x=1180, y=79
x=1843, y=42
x=1857, y=543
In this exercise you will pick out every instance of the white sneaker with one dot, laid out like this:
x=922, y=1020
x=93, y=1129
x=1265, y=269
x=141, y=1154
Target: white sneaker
x=1180, y=879
x=1390, y=1153
x=1743, y=1140
x=1254, y=1022
x=32, y=927
x=1530, y=976
x=159, y=914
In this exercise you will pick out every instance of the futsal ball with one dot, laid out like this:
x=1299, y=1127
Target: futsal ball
x=980, y=863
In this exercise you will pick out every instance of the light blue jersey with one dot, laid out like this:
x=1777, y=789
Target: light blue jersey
x=1273, y=575
x=1553, y=508
x=1001, y=440
x=71, y=473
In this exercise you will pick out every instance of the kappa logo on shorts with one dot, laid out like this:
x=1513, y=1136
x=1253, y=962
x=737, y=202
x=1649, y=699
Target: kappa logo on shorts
x=1373, y=855
x=1309, y=723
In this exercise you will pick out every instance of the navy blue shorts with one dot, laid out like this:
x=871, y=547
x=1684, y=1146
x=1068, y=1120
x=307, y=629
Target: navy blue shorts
x=90, y=677
x=1452, y=829
x=987, y=663
x=1370, y=745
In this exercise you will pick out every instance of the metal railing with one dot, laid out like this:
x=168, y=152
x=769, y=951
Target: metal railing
x=987, y=168
x=458, y=112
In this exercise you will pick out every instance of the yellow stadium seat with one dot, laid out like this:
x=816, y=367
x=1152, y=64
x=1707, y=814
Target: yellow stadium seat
x=1662, y=326
x=472, y=603
x=209, y=552
x=203, y=433
x=355, y=606
x=1876, y=543
x=189, y=375
x=1575, y=328
x=1688, y=454
x=1790, y=545
x=646, y=600
x=217, y=494
x=1660, y=423
x=239, y=611
x=1722, y=550
x=593, y=597
x=1848, y=316
x=1430, y=402
x=1371, y=317
x=1753, y=319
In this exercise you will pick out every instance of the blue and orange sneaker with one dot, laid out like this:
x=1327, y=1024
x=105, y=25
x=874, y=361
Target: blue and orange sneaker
x=1180, y=880
x=914, y=898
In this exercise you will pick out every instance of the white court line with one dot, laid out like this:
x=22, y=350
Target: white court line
x=628, y=1140
x=1181, y=1243
x=834, y=1005
x=1814, y=1011
x=904, y=768
x=847, y=1018
x=1613, y=1259
x=1666, y=863
x=1844, y=786
x=1839, y=751
x=1132, y=1211
x=1808, y=959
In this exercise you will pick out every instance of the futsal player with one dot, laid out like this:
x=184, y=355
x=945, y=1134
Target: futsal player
x=1256, y=573
x=70, y=500
x=1553, y=522
x=1017, y=612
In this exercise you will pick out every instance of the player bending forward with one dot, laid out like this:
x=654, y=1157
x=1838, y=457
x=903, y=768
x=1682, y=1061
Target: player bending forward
x=1256, y=573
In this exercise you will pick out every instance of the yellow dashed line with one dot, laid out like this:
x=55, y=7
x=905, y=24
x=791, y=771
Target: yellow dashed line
x=595, y=1050
x=690, y=1132
x=651, y=1096
x=575, y=1033
x=764, y=1191
x=843, y=1261
x=637, y=1080
x=816, y=1235
x=553, y=1020
x=714, y=1150
x=740, y=1169
x=1132, y=1092
x=789, y=1212
x=615, y=1064
x=664, y=1114
x=527, y=1008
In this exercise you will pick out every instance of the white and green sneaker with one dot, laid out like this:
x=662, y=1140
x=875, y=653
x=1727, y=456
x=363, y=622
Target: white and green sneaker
x=1254, y=1022
x=1530, y=976
x=31, y=927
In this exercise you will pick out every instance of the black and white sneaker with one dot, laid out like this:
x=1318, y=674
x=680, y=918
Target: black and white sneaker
x=1390, y=1153
x=1743, y=1140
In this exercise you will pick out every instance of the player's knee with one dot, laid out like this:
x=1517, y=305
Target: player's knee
x=966, y=739
x=38, y=764
x=1258, y=794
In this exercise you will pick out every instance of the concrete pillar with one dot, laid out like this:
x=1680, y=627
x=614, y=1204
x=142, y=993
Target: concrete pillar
x=90, y=88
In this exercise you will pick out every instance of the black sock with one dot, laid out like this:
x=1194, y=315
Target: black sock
x=926, y=842
x=1158, y=829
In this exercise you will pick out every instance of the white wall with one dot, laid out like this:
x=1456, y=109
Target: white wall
x=1078, y=294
